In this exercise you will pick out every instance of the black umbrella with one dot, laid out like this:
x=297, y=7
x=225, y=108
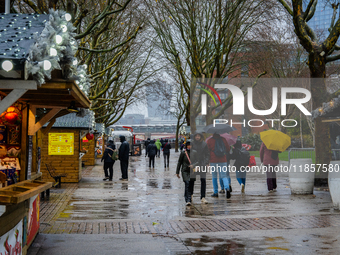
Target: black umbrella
x=219, y=128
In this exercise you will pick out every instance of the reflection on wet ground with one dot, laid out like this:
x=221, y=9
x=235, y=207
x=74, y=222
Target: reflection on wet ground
x=230, y=246
x=156, y=193
x=211, y=245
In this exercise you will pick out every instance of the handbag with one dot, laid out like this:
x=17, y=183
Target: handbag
x=252, y=161
x=114, y=155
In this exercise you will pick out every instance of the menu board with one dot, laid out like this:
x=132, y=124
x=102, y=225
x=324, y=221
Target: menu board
x=60, y=143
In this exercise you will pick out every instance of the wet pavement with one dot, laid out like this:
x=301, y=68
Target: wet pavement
x=152, y=203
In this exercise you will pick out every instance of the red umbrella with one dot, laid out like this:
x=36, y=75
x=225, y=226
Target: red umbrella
x=230, y=138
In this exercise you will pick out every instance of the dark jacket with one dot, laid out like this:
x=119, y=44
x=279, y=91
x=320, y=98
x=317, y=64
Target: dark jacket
x=202, y=151
x=124, y=149
x=147, y=142
x=108, y=153
x=151, y=150
x=166, y=147
x=183, y=164
x=236, y=154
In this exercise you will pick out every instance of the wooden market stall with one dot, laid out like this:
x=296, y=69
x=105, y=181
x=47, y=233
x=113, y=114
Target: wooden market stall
x=37, y=85
x=69, y=164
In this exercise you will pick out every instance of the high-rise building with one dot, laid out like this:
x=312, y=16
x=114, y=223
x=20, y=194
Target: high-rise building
x=323, y=16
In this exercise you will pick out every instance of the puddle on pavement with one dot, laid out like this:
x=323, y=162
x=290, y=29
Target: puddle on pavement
x=152, y=183
x=208, y=245
x=215, y=245
x=166, y=184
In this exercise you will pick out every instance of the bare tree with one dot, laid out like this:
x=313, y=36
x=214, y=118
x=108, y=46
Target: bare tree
x=106, y=32
x=205, y=39
x=320, y=52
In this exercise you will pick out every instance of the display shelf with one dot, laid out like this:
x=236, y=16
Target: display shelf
x=22, y=191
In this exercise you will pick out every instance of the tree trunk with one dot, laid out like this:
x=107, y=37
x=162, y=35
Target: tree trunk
x=317, y=66
x=177, y=133
x=301, y=134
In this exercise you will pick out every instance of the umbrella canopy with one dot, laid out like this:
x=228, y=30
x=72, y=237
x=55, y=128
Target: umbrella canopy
x=275, y=140
x=219, y=128
x=231, y=140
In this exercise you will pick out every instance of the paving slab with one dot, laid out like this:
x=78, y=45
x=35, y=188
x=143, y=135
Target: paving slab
x=150, y=205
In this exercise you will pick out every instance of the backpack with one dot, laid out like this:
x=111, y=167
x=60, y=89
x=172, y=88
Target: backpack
x=243, y=157
x=220, y=149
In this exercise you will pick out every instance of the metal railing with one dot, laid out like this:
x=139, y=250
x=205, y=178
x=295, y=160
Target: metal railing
x=295, y=153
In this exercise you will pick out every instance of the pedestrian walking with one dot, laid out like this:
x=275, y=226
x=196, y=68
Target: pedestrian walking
x=108, y=161
x=219, y=150
x=241, y=157
x=151, y=153
x=185, y=166
x=159, y=145
x=202, y=152
x=166, y=152
x=146, y=143
x=181, y=145
x=222, y=191
x=123, y=154
x=269, y=159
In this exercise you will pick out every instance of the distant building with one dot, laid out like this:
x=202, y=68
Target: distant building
x=132, y=119
x=322, y=17
x=159, y=103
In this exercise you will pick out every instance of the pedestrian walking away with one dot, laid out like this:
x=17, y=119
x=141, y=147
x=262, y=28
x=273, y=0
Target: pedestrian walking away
x=185, y=166
x=151, y=153
x=166, y=152
x=123, y=154
x=219, y=151
x=108, y=161
x=159, y=145
x=202, y=152
x=146, y=143
x=241, y=157
x=269, y=159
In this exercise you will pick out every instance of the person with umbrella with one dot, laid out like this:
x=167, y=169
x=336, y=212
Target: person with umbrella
x=230, y=140
x=219, y=149
x=217, y=129
x=273, y=143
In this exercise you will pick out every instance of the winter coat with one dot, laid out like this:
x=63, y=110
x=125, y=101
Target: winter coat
x=158, y=144
x=147, y=142
x=202, y=151
x=236, y=155
x=266, y=156
x=183, y=164
x=124, y=149
x=151, y=150
x=108, y=153
x=211, y=146
x=166, y=148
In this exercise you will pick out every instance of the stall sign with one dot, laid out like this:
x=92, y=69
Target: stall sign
x=60, y=143
x=11, y=242
x=137, y=150
x=99, y=145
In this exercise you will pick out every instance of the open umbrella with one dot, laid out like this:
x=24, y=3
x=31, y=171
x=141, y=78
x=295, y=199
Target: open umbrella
x=275, y=140
x=230, y=138
x=218, y=128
